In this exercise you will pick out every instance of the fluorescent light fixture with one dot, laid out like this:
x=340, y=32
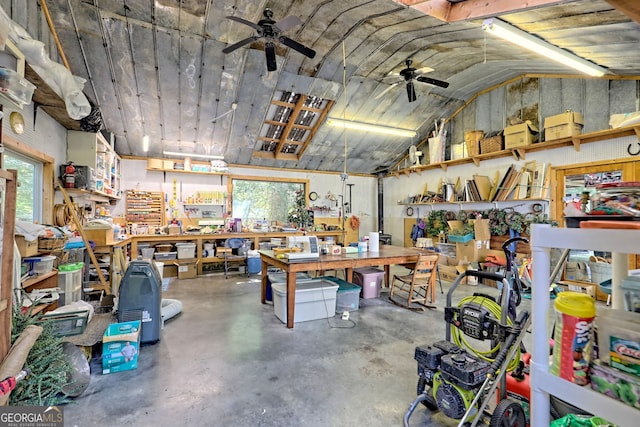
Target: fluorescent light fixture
x=145, y=143
x=202, y=156
x=537, y=45
x=346, y=124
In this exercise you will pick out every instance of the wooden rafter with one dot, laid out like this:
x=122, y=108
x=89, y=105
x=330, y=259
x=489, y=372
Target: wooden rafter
x=475, y=9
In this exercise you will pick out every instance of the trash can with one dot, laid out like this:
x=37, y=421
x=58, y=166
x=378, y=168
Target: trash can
x=141, y=299
x=254, y=265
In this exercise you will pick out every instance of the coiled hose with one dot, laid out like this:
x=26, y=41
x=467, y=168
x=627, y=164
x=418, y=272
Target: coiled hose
x=496, y=311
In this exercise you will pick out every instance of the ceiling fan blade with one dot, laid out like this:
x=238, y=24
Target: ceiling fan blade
x=297, y=46
x=241, y=43
x=434, y=82
x=411, y=91
x=270, y=53
x=245, y=22
x=424, y=70
x=381, y=94
x=289, y=22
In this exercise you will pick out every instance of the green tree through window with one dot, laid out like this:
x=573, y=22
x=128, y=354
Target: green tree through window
x=28, y=203
x=258, y=200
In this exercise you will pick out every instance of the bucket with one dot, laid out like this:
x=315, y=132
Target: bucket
x=472, y=141
x=573, y=339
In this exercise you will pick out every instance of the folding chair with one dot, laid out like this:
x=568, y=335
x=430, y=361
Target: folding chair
x=418, y=287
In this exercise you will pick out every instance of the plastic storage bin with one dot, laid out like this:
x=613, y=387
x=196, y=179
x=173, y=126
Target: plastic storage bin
x=631, y=288
x=348, y=297
x=165, y=256
x=370, y=279
x=186, y=250
x=280, y=277
x=70, y=284
x=40, y=264
x=315, y=299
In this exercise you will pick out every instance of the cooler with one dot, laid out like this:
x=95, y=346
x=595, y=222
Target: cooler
x=370, y=279
x=315, y=299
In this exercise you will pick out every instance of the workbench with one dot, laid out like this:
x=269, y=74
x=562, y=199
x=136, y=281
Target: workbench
x=199, y=239
x=387, y=256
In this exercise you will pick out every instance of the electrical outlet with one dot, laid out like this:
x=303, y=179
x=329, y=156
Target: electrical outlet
x=345, y=315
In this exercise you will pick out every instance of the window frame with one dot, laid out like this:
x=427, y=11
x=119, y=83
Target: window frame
x=38, y=169
x=304, y=182
x=48, y=174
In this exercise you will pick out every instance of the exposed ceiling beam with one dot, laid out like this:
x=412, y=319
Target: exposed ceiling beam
x=476, y=9
x=631, y=8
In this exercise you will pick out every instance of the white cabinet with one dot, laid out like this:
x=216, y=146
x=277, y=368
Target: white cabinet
x=543, y=238
x=93, y=150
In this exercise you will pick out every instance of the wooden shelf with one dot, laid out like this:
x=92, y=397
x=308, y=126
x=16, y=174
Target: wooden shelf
x=190, y=172
x=145, y=207
x=509, y=201
x=42, y=281
x=93, y=195
x=519, y=153
x=34, y=280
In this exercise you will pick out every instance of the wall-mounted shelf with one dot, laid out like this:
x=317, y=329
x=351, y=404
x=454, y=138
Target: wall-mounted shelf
x=485, y=202
x=203, y=204
x=164, y=165
x=520, y=152
x=94, y=196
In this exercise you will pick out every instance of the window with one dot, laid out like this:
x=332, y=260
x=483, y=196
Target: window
x=291, y=122
x=261, y=199
x=28, y=197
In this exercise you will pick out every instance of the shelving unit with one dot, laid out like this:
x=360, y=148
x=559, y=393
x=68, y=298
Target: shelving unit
x=145, y=207
x=42, y=281
x=543, y=384
x=91, y=149
x=519, y=153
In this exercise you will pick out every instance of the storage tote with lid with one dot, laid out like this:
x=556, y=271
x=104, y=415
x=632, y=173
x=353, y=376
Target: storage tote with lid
x=315, y=299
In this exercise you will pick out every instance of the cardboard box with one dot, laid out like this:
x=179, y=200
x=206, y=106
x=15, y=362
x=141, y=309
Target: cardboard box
x=563, y=125
x=520, y=135
x=120, y=347
x=100, y=236
x=187, y=270
x=470, y=251
x=26, y=248
x=173, y=230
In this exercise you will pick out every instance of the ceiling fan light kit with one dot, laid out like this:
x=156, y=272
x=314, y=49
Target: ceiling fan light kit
x=408, y=75
x=523, y=39
x=271, y=31
x=346, y=124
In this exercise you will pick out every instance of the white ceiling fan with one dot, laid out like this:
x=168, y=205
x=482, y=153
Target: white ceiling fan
x=414, y=156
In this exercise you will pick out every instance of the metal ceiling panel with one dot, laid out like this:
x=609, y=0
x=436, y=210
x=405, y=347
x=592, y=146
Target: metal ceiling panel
x=156, y=67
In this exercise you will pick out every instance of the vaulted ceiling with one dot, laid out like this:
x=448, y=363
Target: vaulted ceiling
x=157, y=68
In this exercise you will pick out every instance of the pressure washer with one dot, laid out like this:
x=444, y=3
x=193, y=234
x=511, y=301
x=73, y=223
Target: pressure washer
x=464, y=382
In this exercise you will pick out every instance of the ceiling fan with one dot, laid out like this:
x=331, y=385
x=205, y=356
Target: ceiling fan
x=408, y=75
x=270, y=30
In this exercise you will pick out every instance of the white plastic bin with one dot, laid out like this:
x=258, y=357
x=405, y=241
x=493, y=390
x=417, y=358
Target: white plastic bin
x=315, y=300
x=70, y=284
x=186, y=250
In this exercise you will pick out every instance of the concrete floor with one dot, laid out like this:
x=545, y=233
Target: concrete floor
x=227, y=360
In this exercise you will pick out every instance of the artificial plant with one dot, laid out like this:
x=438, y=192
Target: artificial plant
x=50, y=370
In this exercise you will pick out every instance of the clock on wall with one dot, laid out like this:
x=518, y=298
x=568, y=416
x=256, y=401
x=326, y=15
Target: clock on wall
x=17, y=122
x=313, y=196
